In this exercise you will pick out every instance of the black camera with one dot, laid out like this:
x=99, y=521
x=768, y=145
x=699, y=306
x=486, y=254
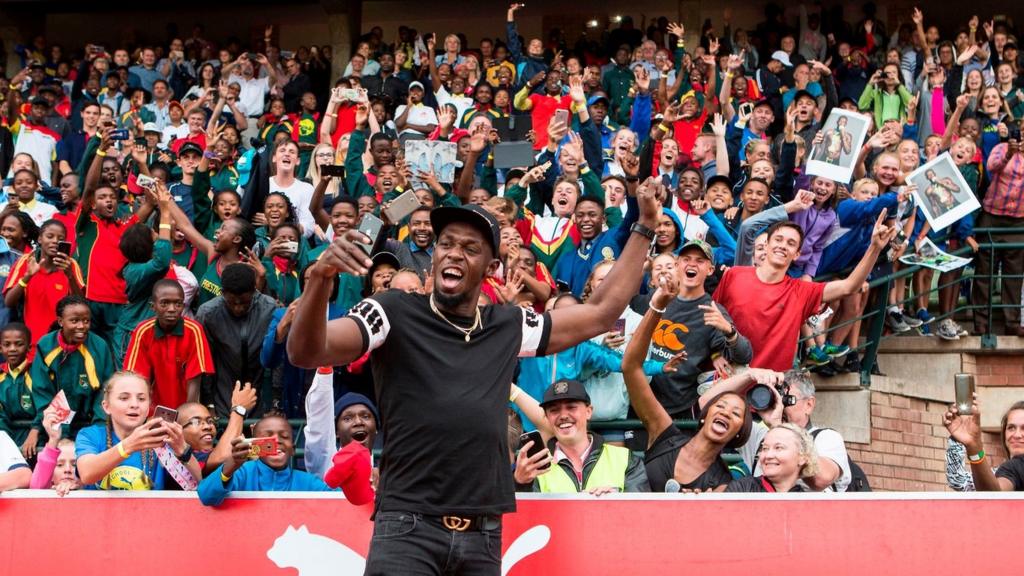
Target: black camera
x=760, y=396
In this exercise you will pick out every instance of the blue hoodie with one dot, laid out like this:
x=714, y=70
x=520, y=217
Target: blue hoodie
x=255, y=476
x=725, y=250
x=856, y=223
x=574, y=267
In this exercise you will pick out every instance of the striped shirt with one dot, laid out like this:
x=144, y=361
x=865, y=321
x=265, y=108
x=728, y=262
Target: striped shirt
x=1004, y=193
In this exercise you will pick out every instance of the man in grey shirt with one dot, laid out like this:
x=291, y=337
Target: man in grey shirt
x=695, y=324
x=235, y=323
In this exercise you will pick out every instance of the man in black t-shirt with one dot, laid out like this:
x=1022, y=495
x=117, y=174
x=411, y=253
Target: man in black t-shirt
x=442, y=368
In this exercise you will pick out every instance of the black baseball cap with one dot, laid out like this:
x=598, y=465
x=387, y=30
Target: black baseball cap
x=40, y=101
x=763, y=102
x=190, y=147
x=801, y=93
x=383, y=258
x=474, y=215
x=716, y=179
x=565, y=390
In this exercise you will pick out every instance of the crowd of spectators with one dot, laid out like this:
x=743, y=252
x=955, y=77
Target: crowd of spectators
x=163, y=207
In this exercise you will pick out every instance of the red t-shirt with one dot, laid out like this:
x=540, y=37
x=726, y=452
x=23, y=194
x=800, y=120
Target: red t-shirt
x=769, y=315
x=543, y=109
x=346, y=122
x=169, y=360
x=105, y=283
x=44, y=289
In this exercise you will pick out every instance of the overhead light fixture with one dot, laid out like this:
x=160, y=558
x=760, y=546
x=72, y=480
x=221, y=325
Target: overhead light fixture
x=617, y=18
x=592, y=24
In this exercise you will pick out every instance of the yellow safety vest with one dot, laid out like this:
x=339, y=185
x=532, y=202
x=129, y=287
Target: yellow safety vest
x=610, y=470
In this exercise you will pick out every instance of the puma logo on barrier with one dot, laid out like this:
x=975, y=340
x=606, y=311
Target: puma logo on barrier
x=315, y=555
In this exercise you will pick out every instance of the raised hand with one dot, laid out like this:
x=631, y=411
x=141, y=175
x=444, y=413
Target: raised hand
x=643, y=79
x=882, y=234
x=668, y=288
x=676, y=29
x=718, y=126
x=965, y=428
x=650, y=196
x=713, y=46
x=700, y=206
x=917, y=16
x=574, y=148
x=735, y=61
x=713, y=317
x=576, y=92
x=671, y=114
x=243, y=395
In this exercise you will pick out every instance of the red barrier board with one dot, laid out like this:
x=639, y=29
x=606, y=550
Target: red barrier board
x=293, y=534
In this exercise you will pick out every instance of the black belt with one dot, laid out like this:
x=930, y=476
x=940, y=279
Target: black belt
x=467, y=523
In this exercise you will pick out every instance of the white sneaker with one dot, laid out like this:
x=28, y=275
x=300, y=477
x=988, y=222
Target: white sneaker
x=947, y=330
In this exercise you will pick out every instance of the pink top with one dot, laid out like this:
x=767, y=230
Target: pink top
x=42, y=476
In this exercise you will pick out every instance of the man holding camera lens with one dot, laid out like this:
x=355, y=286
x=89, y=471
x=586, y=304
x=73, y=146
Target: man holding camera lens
x=833, y=462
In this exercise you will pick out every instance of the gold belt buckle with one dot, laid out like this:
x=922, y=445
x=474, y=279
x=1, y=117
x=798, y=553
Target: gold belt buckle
x=456, y=523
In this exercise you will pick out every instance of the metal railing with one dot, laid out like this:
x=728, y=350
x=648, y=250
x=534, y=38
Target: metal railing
x=880, y=287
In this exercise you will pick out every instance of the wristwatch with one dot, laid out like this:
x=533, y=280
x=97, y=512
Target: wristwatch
x=240, y=410
x=184, y=458
x=642, y=230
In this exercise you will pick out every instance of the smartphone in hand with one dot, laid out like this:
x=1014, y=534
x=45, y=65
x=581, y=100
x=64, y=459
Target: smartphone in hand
x=538, y=445
x=371, y=226
x=64, y=248
x=166, y=414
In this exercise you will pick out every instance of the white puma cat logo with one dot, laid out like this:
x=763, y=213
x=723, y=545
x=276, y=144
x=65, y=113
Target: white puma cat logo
x=316, y=555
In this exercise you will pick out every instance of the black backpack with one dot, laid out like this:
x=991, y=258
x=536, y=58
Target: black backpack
x=858, y=479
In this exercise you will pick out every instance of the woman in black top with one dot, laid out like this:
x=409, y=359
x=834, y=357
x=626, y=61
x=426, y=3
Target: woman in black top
x=725, y=420
x=787, y=454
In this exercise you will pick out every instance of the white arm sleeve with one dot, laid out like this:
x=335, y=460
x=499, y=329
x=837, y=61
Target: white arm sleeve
x=321, y=438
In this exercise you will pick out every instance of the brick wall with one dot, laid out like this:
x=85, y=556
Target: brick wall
x=908, y=440
x=992, y=370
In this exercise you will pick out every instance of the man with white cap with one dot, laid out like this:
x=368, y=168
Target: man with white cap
x=414, y=119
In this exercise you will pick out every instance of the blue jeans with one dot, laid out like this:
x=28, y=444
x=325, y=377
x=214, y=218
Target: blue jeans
x=414, y=544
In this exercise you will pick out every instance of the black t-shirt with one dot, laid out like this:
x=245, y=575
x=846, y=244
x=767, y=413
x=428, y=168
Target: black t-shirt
x=660, y=462
x=753, y=484
x=443, y=402
x=1013, y=470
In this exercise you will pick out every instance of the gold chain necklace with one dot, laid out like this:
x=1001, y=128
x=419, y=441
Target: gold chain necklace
x=477, y=322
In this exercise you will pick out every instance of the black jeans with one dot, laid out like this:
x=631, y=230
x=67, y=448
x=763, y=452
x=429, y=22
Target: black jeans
x=412, y=544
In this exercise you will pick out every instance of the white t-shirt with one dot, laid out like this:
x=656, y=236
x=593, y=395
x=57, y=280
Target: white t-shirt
x=172, y=133
x=253, y=93
x=420, y=114
x=10, y=455
x=300, y=194
x=40, y=143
